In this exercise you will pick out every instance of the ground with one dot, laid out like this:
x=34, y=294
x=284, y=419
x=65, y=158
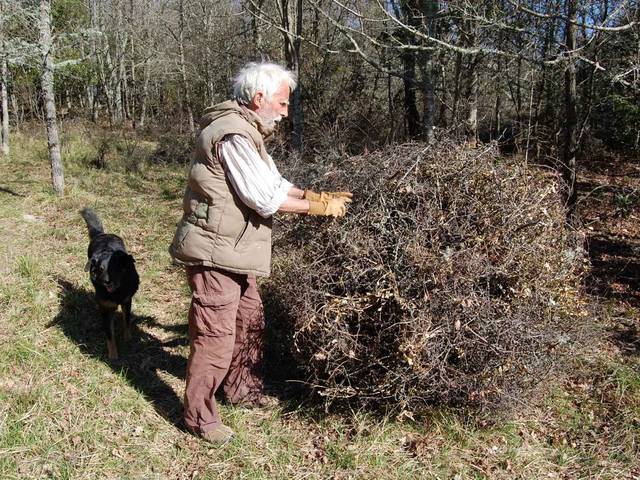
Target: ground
x=66, y=411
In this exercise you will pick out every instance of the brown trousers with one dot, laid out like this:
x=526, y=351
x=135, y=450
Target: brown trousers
x=226, y=326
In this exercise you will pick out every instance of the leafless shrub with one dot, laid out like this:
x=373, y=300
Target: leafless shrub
x=173, y=148
x=450, y=280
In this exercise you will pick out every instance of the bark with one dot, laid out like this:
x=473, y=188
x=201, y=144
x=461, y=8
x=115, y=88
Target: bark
x=293, y=14
x=131, y=88
x=256, y=31
x=408, y=57
x=456, y=88
x=497, y=116
x=496, y=120
x=117, y=77
x=145, y=93
x=89, y=88
x=46, y=45
x=442, y=114
x=471, y=122
x=4, y=80
x=18, y=114
x=543, y=102
x=183, y=71
x=410, y=107
x=124, y=88
x=429, y=71
x=5, y=105
x=92, y=88
x=102, y=60
x=570, y=110
x=472, y=112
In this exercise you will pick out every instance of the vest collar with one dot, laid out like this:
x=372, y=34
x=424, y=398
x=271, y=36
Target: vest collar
x=254, y=119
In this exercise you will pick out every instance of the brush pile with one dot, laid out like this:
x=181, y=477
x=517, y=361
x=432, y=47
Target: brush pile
x=450, y=280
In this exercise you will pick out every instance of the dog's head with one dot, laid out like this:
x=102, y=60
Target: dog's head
x=111, y=270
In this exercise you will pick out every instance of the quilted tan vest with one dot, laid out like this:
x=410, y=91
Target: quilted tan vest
x=217, y=229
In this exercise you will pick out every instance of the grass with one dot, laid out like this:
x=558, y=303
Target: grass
x=67, y=412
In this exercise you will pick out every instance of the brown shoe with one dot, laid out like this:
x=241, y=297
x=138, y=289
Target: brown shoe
x=219, y=435
x=263, y=401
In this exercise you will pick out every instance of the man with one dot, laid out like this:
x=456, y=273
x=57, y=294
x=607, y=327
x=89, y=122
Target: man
x=224, y=241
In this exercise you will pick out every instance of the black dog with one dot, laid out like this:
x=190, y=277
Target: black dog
x=114, y=277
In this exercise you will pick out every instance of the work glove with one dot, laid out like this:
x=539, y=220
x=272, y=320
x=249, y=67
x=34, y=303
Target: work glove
x=333, y=207
x=322, y=196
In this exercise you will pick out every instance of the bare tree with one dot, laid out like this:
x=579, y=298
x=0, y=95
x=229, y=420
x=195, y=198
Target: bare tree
x=4, y=97
x=183, y=67
x=571, y=116
x=291, y=13
x=46, y=45
x=429, y=69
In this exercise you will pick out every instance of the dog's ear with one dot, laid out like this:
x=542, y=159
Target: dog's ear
x=87, y=265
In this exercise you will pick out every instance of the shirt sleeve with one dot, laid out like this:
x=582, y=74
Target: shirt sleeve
x=259, y=186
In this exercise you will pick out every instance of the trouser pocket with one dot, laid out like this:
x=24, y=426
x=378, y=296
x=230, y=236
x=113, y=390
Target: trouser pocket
x=213, y=314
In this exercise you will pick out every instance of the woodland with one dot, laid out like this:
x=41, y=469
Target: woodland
x=475, y=314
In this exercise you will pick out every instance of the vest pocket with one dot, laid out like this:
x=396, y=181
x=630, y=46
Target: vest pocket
x=181, y=234
x=242, y=234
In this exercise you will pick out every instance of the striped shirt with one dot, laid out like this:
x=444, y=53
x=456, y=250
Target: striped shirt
x=259, y=186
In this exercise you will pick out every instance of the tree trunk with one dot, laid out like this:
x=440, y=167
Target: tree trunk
x=46, y=44
x=5, y=105
x=472, y=112
x=255, y=26
x=410, y=107
x=183, y=71
x=442, y=114
x=89, y=88
x=92, y=89
x=4, y=80
x=117, y=78
x=429, y=72
x=145, y=93
x=408, y=58
x=292, y=54
x=471, y=122
x=543, y=102
x=132, y=87
x=571, y=116
x=497, y=117
x=456, y=90
x=18, y=114
x=126, y=113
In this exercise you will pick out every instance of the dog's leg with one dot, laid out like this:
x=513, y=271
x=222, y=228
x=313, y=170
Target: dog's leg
x=108, y=324
x=126, y=315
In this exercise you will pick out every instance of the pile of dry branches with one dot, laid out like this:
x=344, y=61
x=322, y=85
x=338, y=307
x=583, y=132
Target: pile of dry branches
x=450, y=280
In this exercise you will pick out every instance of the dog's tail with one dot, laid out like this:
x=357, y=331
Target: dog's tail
x=93, y=222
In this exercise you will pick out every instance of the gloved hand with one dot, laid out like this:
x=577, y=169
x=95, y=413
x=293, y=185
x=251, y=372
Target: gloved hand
x=322, y=196
x=333, y=207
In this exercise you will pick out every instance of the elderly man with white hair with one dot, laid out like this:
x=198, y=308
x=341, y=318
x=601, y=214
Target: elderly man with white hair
x=224, y=242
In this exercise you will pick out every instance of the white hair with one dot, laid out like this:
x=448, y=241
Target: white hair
x=261, y=77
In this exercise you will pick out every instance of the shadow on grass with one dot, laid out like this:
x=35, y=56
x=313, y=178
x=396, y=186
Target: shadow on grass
x=627, y=338
x=615, y=270
x=140, y=360
x=11, y=192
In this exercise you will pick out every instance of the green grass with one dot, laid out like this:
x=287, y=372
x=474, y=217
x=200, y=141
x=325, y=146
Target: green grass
x=67, y=412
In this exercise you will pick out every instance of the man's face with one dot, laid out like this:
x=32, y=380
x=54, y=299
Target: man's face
x=273, y=110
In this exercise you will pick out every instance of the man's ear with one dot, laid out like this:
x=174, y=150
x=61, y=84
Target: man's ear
x=257, y=101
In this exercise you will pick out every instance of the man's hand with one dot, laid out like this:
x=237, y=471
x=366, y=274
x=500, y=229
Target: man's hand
x=323, y=196
x=333, y=207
